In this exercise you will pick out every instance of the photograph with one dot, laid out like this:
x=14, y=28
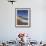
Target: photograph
x=23, y=17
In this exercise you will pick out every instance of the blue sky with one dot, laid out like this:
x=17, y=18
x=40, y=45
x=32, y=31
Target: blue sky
x=22, y=12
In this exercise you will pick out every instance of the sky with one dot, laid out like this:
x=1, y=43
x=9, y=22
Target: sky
x=22, y=13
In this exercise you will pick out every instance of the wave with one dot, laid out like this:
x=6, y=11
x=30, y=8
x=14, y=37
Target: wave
x=22, y=19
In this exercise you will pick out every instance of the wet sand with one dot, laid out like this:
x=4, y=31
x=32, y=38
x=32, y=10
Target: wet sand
x=19, y=22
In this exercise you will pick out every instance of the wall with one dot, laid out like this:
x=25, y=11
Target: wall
x=8, y=31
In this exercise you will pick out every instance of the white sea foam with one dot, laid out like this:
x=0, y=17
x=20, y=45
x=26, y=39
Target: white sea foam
x=22, y=20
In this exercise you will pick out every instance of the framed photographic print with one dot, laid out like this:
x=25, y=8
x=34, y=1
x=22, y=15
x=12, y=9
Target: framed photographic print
x=22, y=17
